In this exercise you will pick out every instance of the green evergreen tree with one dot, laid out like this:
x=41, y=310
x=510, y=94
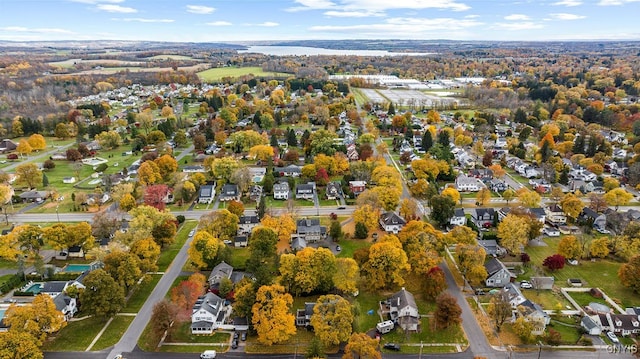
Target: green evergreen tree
x=291, y=138
x=427, y=141
x=392, y=110
x=274, y=140
x=578, y=144
x=361, y=231
x=262, y=207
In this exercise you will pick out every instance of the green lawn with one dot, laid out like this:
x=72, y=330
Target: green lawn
x=602, y=273
x=76, y=336
x=182, y=334
x=584, y=298
x=548, y=299
x=113, y=333
x=239, y=257
x=296, y=344
x=216, y=74
x=167, y=255
x=361, y=99
x=453, y=334
x=570, y=333
x=367, y=301
x=141, y=293
x=190, y=348
x=350, y=246
x=275, y=203
x=328, y=203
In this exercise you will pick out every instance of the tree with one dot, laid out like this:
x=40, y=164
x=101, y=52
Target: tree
x=442, y=209
x=236, y=208
x=362, y=346
x=37, y=142
x=618, y=197
x=29, y=238
x=332, y=319
x=599, y=247
x=335, y=231
x=386, y=266
x=461, y=235
x=163, y=315
x=19, y=345
x=38, y=319
x=284, y=225
x=307, y=271
x=361, y=231
x=271, y=318
x=629, y=274
x=597, y=201
x=571, y=205
x=448, y=312
x=102, y=297
x=149, y=173
x=204, y=249
x=529, y=198
x=155, y=195
x=322, y=178
x=261, y=152
x=222, y=224
x=483, y=196
x=185, y=295
x=497, y=170
x=570, y=247
x=222, y=168
x=513, y=232
x=452, y=193
x=167, y=166
x=262, y=261
x=127, y=202
x=508, y=195
x=368, y=216
x=24, y=148
x=554, y=262
x=123, y=267
x=434, y=283
x=523, y=329
x=500, y=308
x=148, y=252
x=346, y=275
x=56, y=236
x=29, y=174
x=109, y=139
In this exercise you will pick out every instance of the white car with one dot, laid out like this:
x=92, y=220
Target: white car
x=551, y=232
x=525, y=285
x=603, y=231
x=613, y=337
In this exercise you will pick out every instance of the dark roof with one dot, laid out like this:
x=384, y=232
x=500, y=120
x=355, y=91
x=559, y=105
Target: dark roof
x=588, y=323
x=458, y=212
x=206, y=190
x=538, y=212
x=403, y=298
x=249, y=220
x=240, y=239
x=480, y=212
x=493, y=266
x=589, y=213
x=229, y=189
x=53, y=287
x=391, y=218
x=304, y=187
x=222, y=270
x=490, y=246
x=75, y=249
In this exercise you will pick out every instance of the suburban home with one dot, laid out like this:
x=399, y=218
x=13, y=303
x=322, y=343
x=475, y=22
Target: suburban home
x=68, y=180
x=357, y=187
x=305, y=191
x=247, y=223
x=391, y=222
x=491, y=247
x=498, y=274
x=7, y=145
x=76, y=252
x=255, y=192
x=240, y=241
x=498, y=185
x=352, y=153
x=193, y=169
x=596, y=219
x=483, y=217
x=459, y=218
x=544, y=283
x=590, y=325
x=514, y=294
x=334, y=190
x=538, y=213
x=534, y=314
x=66, y=305
x=229, y=192
x=208, y=314
x=621, y=324
x=33, y=196
x=310, y=230
x=222, y=270
x=281, y=190
x=402, y=310
x=207, y=193
x=555, y=215
x=289, y=171
x=467, y=184
x=303, y=316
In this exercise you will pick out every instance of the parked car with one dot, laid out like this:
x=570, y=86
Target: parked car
x=243, y=337
x=234, y=344
x=551, y=232
x=338, y=248
x=236, y=335
x=603, y=231
x=525, y=285
x=613, y=337
x=392, y=346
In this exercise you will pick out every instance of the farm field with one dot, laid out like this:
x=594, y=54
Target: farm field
x=212, y=75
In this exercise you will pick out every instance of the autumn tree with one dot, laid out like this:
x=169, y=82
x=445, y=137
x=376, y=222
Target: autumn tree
x=103, y=297
x=109, y=139
x=513, y=233
x=123, y=267
x=618, y=197
x=599, y=247
x=262, y=261
x=332, y=319
x=346, y=276
x=448, y=312
x=597, y=202
x=19, y=345
x=24, y=148
x=571, y=205
x=434, y=283
x=38, y=319
x=570, y=247
x=37, y=142
x=56, y=236
x=523, y=328
x=508, y=195
x=167, y=166
x=452, y=193
x=127, y=203
x=148, y=252
x=554, y=262
x=629, y=274
x=529, y=198
x=386, y=266
x=361, y=346
x=367, y=215
x=483, y=196
x=222, y=224
x=163, y=315
x=204, y=249
x=245, y=296
x=442, y=209
x=307, y=270
x=271, y=316
x=284, y=225
x=29, y=174
x=261, y=152
x=500, y=308
x=185, y=295
x=471, y=262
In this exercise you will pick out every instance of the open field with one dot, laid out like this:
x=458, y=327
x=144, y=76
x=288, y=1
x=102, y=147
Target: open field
x=113, y=333
x=170, y=57
x=76, y=336
x=212, y=75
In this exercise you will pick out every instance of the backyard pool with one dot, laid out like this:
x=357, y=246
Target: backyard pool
x=79, y=268
x=35, y=288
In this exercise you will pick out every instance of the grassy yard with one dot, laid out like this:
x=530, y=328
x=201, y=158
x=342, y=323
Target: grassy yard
x=141, y=293
x=584, y=298
x=76, y=336
x=190, y=348
x=296, y=344
x=275, y=203
x=367, y=301
x=113, y=333
x=216, y=74
x=239, y=257
x=548, y=299
x=568, y=328
x=349, y=246
x=182, y=334
x=602, y=273
x=453, y=334
x=166, y=257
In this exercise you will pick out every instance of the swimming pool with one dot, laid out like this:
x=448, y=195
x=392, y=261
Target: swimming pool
x=79, y=268
x=34, y=288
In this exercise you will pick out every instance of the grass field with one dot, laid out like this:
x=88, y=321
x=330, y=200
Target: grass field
x=166, y=257
x=549, y=300
x=113, y=333
x=351, y=245
x=170, y=57
x=182, y=334
x=76, y=336
x=141, y=293
x=217, y=74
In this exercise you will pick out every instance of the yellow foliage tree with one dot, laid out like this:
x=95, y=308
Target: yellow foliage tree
x=569, y=247
x=38, y=319
x=149, y=173
x=203, y=249
x=513, y=233
x=284, y=225
x=24, y=148
x=272, y=318
x=452, y=193
x=599, y=247
x=386, y=266
x=347, y=275
x=37, y=142
x=367, y=215
x=332, y=319
x=261, y=152
x=618, y=197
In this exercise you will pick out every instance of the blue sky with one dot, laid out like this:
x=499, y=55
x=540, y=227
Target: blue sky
x=254, y=20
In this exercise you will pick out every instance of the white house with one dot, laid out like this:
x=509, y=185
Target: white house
x=555, y=214
x=467, y=184
x=391, y=222
x=459, y=218
x=208, y=314
x=305, y=191
x=402, y=310
x=207, y=193
x=281, y=191
x=247, y=223
x=498, y=274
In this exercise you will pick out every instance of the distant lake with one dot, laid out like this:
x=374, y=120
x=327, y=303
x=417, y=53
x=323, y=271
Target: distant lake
x=313, y=51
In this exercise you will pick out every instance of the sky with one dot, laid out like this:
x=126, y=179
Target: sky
x=262, y=20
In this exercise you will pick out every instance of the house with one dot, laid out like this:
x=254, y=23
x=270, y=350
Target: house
x=391, y=222
x=305, y=191
x=498, y=274
x=240, y=241
x=597, y=220
x=222, y=270
x=491, y=247
x=76, y=252
x=247, y=223
x=483, y=217
x=68, y=180
x=402, y=310
x=255, y=192
x=533, y=313
x=621, y=324
x=229, y=192
x=590, y=325
x=531, y=172
x=303, y=316
x=467, y=184
x=289, y=171
x=357, y=187
x=7, y=145
x=310, y=230
x=352, y=153
x=66, y=305
x=33, y=196
x=555, y=215
x=538, y=213
x=281, y=190
x=193, y=169
x=334, y=190
x=514, y=294
x=208, y=314
x=498, y=185
x=207, y=193
x=459, y=218
x=544, y=283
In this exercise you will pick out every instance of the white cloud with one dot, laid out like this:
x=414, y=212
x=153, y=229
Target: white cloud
x=97, y=1
x=472, y=16
x=116, y=8
x=38, y=30
x=268, y=24
x=332, y=13
x=517, y=17
x=140, y=19
x=219, y=23
x=568, y=3
x=517, y=26
x=378, y=5
x=200, y=9
x=615, y=2
x=565, y=16
x=405, y=27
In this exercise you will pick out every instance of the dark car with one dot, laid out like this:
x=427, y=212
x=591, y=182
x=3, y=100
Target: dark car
x=392, y=346
x=236, y=335
x=234, y=344
x=243, y=337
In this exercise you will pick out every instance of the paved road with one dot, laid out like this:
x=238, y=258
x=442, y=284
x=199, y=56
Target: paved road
x=130, y=338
